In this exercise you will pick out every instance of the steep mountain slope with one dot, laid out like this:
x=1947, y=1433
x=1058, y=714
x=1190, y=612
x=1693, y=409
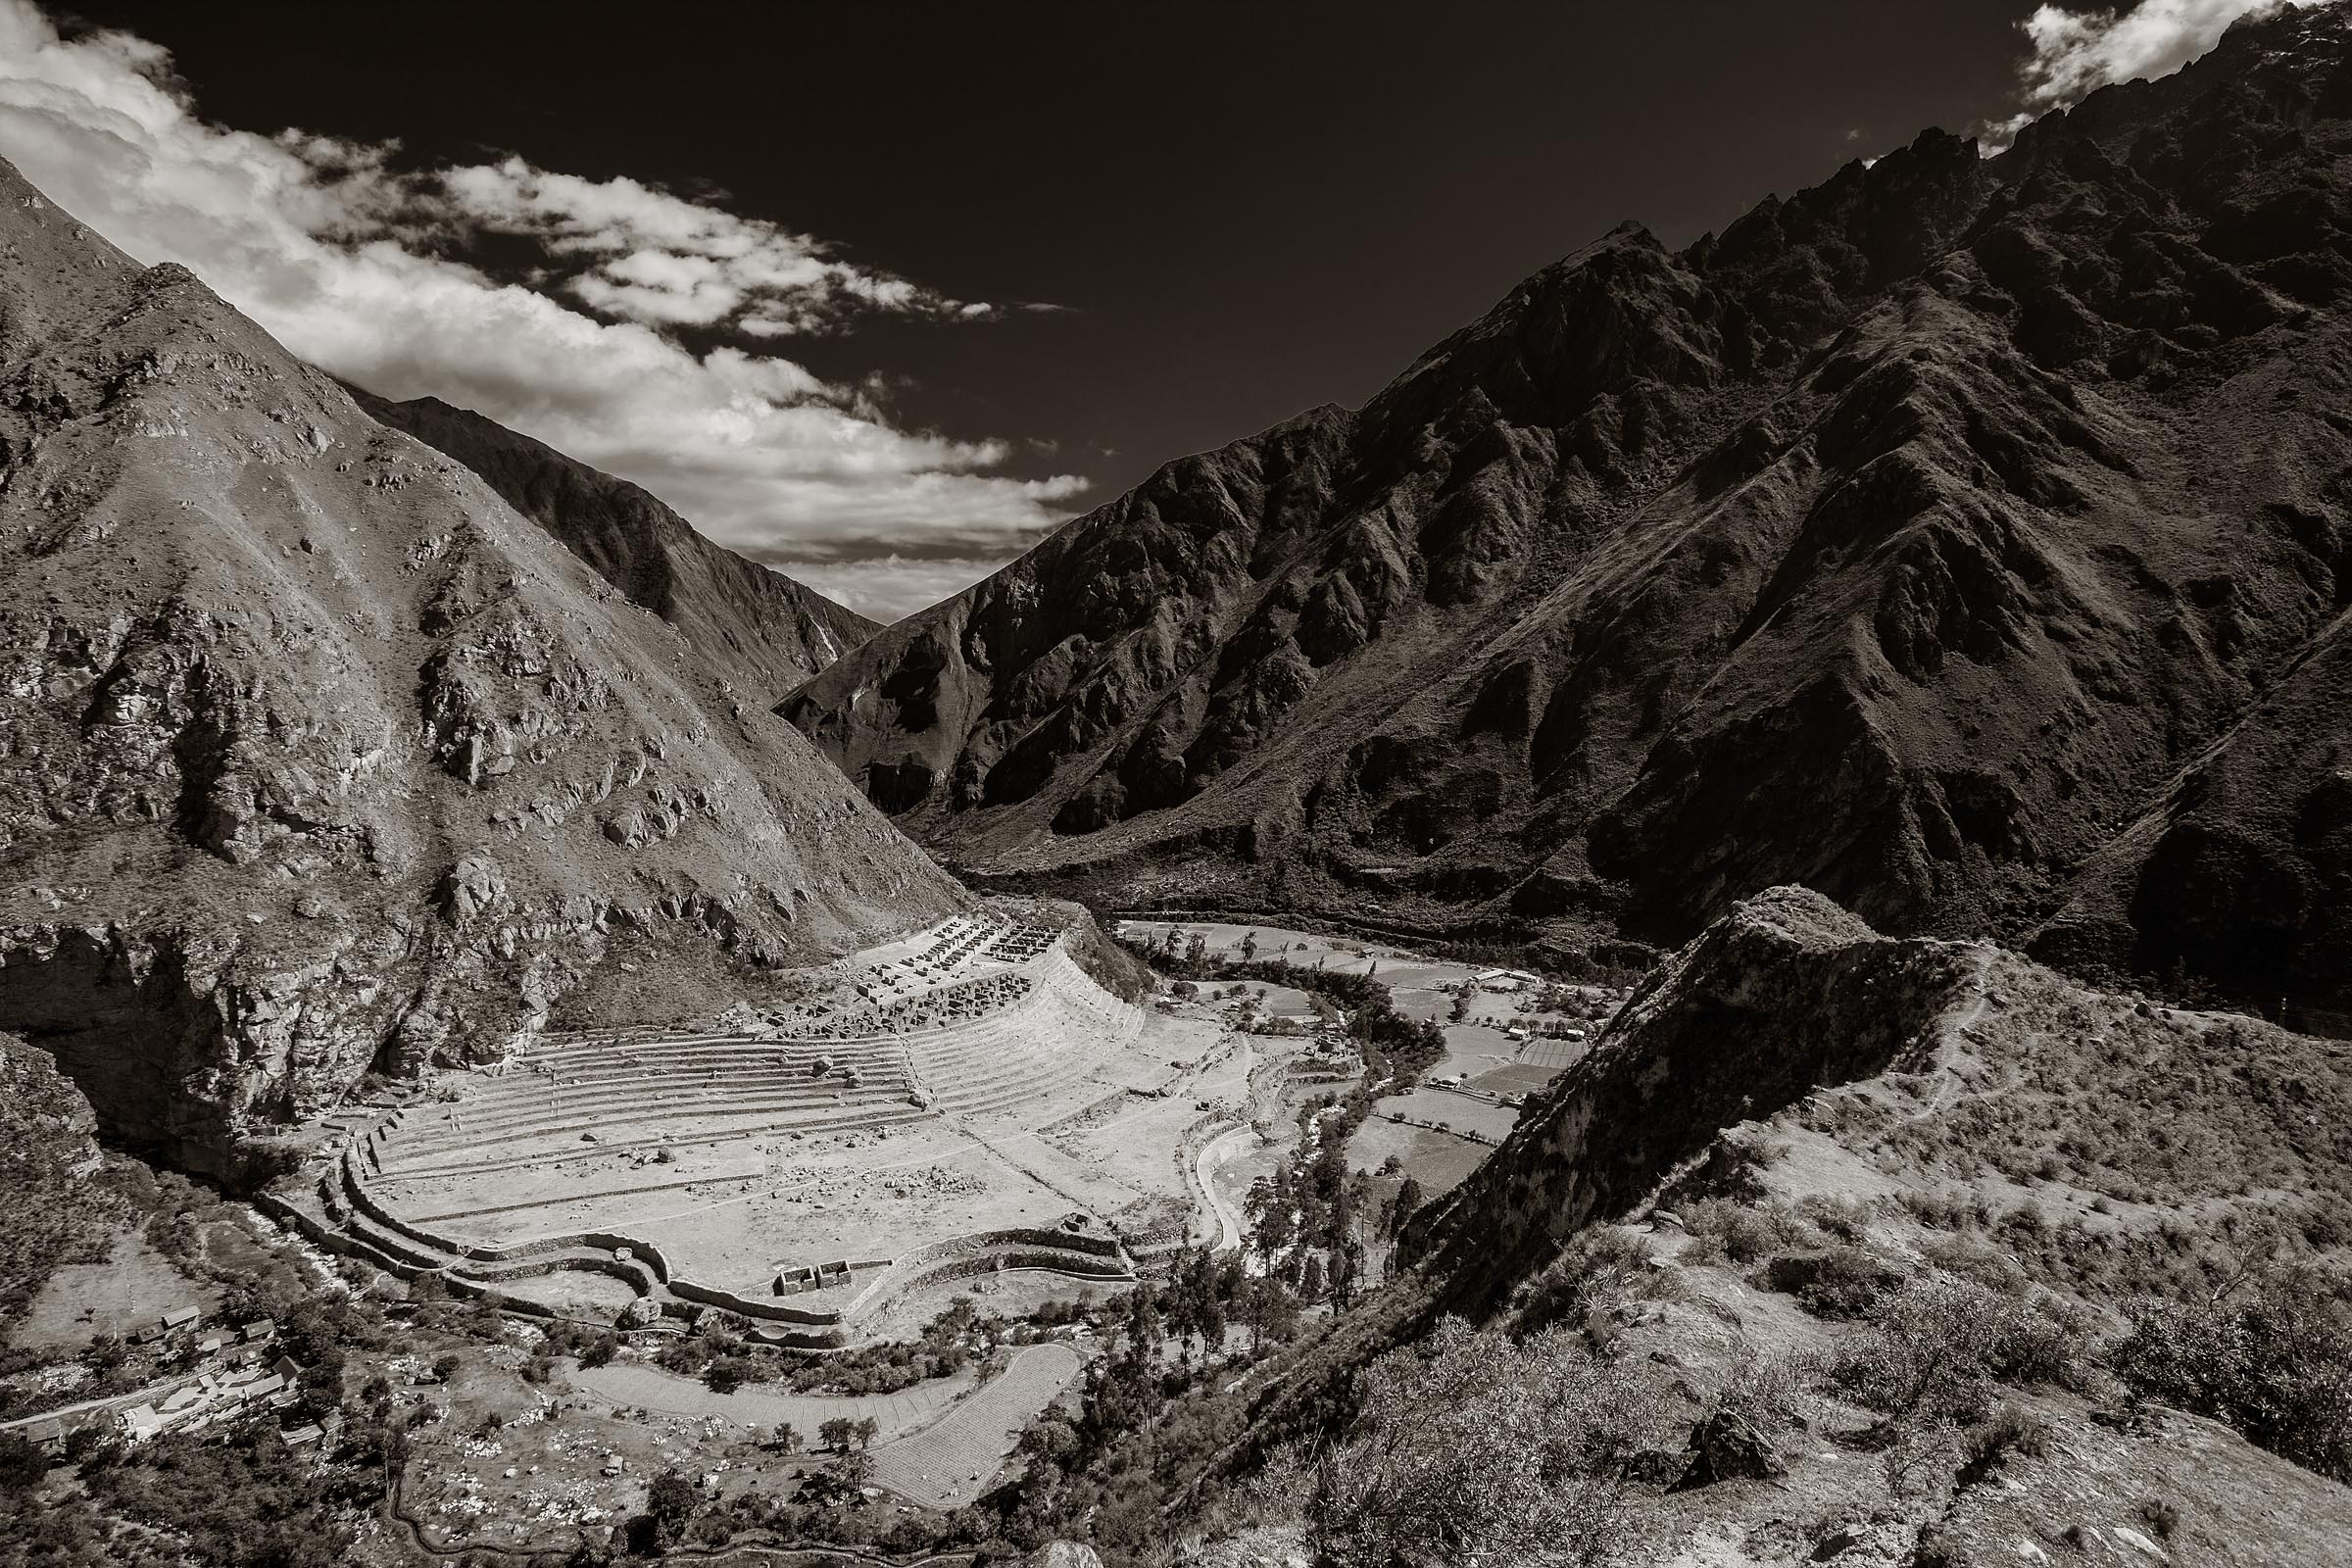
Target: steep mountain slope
x=1911, y=539
x=1884, y=1220
x=313, y=755
x=761, y=631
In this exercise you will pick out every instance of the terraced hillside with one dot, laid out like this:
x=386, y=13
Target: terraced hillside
x=669, y=1159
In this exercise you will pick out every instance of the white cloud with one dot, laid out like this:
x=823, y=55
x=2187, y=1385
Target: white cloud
x=360, y=267
x=2077, y=52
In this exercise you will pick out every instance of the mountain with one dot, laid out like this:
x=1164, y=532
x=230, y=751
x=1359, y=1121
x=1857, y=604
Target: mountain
x=316, y=756
x=760, y=629
x=1966, y=538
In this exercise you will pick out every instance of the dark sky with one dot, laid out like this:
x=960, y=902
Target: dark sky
x=1248, y=210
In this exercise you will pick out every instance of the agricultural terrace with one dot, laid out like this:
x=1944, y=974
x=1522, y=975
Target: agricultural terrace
x=964, y=1101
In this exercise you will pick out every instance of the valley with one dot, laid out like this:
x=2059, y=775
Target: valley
x=1714, y=931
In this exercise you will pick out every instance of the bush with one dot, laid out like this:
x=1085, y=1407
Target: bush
x=2008, y=1429
x=1744, y=1234
x=1470, y=1446
x=1972, y=1261
x=1835, y=1281
x=2275, y=1361
x=1936, y=1347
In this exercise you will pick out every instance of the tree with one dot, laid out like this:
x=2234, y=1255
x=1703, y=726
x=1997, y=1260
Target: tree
x=1408, y=1199
x=445, y=1367
x=671, y=1500
x=857, y=1468
x=1311, y=1277
x=835, y=1431
x=866, y=1430
x=727, y=1373
x=22, y=1462
x=788, y=1437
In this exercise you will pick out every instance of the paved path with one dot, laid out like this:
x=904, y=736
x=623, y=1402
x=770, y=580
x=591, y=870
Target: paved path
x=658, y=1390
x=953, y=1461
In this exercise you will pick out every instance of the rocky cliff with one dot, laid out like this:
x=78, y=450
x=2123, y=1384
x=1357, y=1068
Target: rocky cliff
x=1791, y=1050
x=1965, y=537
x=314, y=756
x=758, y=628
x=1785, y=995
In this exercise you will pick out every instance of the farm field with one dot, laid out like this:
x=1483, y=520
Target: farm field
x=655, y=1388
x=133, y=1287
x=1459, y=1112
x=953, y=1461
x=1439, y=1161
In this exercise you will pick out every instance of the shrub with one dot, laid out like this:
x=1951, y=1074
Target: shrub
x=2161, y=1516
x=1835, y=1281
x=1767, y=1386
x=1846, y=1218
x=1936, y=1347
x=1470, y=1446
x=1972, y=1261
x=1744, y=1233
x=2010, y=1429
x=2275, y=1361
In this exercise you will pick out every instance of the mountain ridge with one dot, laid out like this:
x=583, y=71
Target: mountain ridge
x=1860, y=545
x=765, y=631
x=319, y=758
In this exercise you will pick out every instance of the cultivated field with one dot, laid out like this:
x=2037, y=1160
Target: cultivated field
x=953, y=1461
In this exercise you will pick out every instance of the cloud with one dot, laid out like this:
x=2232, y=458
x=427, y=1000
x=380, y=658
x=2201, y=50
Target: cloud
x=367, y=269
x=2077, y=52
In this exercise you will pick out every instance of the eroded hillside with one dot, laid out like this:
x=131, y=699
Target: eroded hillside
x=759, y=629
x=318, y=756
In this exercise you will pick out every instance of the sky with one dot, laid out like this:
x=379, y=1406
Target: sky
x=879, y=295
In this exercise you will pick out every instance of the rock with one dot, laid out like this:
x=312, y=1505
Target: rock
x=1655, y=1467
x=474, y=883
x=1727, y=1447
x=1062, y=1554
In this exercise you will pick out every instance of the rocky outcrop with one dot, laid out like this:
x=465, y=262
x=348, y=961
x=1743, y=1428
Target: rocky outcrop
x=1785, y=995
x=53, y=1214
x=307, y=741
x=1909, y=539
x=759, y=630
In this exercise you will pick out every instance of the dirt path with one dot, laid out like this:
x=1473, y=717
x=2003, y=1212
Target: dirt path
x=1217, y=1152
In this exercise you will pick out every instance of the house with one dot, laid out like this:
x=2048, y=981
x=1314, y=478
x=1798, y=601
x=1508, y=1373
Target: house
x=301, y=1437
x=285, y=1367
x=141, y=1422
x=181, y=1317
x=47, y=1435
x=259, y=1388
x=260, y=1331
x=212, y=1344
